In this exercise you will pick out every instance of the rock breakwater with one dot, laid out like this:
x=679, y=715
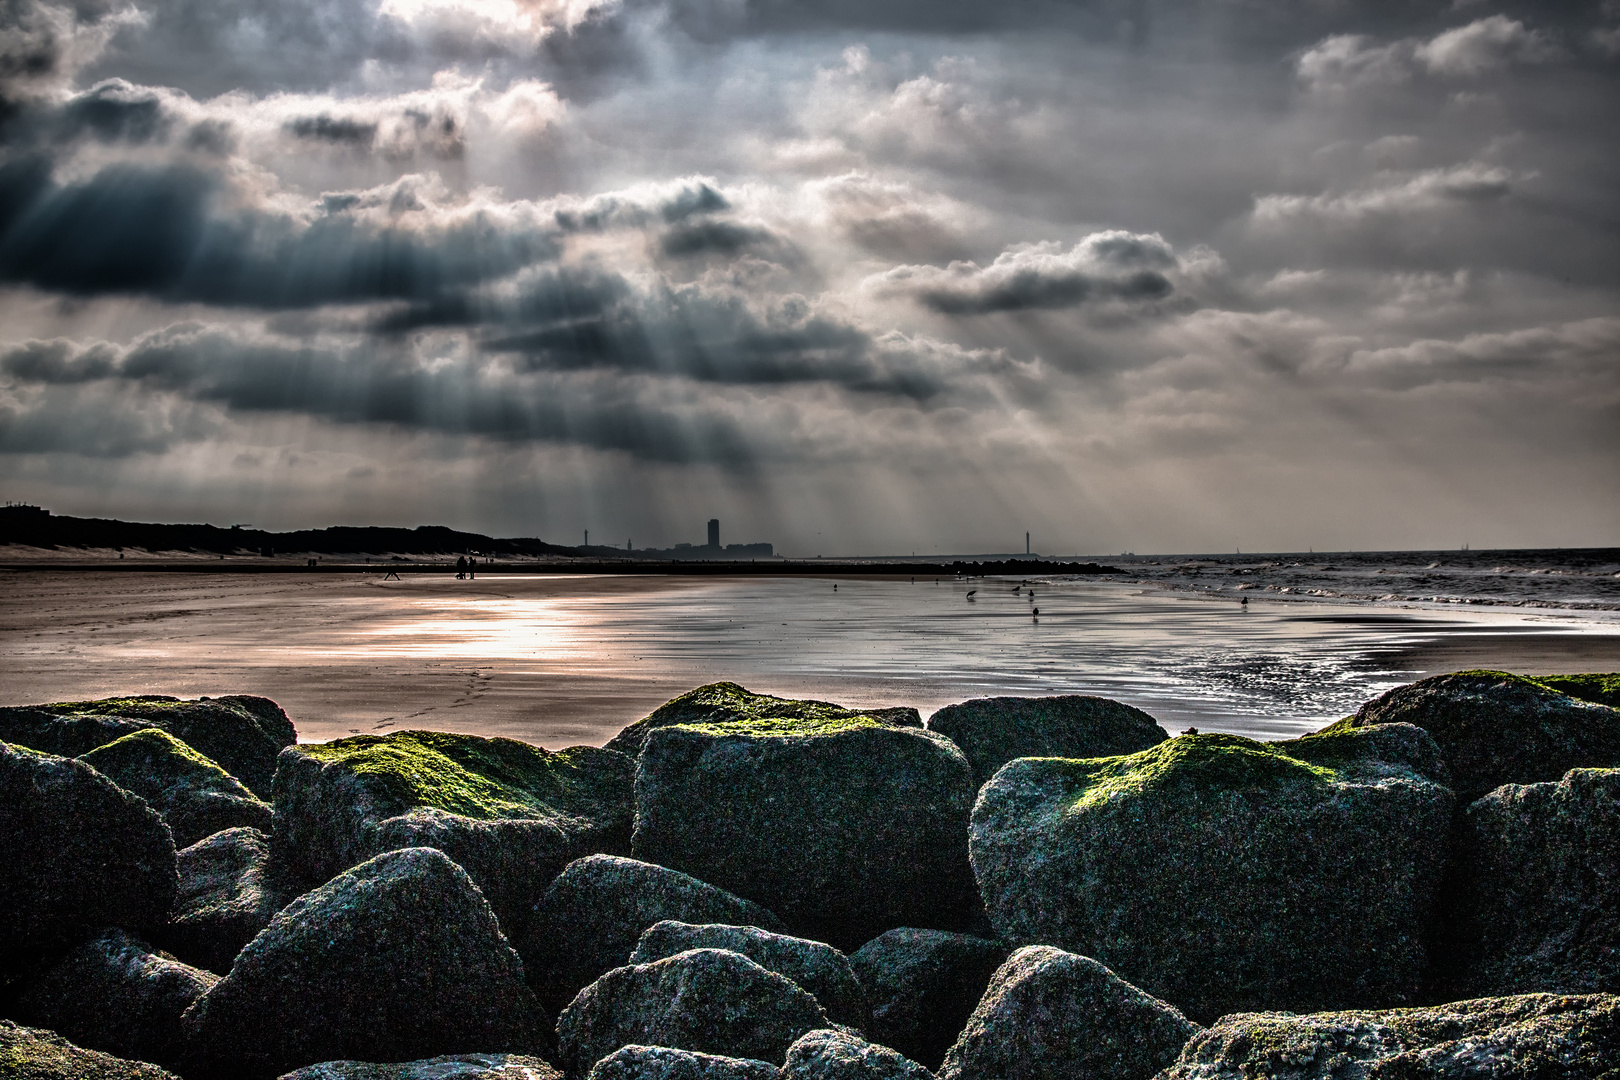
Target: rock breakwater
x=757, y=887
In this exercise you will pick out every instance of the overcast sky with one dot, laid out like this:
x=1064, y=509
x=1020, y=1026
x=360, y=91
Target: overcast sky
x=852, y=276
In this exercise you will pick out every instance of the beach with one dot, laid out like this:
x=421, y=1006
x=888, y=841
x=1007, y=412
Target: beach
x=565, y=660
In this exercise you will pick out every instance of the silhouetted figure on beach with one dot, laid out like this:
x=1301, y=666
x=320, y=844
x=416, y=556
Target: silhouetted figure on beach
x=461, y=567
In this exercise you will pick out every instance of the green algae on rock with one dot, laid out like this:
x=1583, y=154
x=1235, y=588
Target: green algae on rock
x=666, y=1063
x=193, y=794
x=1602, y=687
x=843, y=826
x=227, y=895
x=1051, y=1015
x=710, y=1000
x=1496, y=728
x=511, y=814
x=242, y=733
x=35, y=1054
x=1531, y=1037
x=1218, y=873
x=816, y=967
x=114, y=993
x=399, y=958
x=725, y=702
x=1371, y=752
x=923, y=985
x=81, y=853
x=1536, y=900
x=832, y=1054
x=444, y=1067
x=993, y=731
x=589, y=920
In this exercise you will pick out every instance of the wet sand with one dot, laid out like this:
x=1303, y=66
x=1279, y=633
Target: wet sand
x=567, y=660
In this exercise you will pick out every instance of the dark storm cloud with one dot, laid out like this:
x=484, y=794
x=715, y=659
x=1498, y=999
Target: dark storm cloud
x=696, y=334
x=168, y=232
x=52, y=362
x=581, y=319
x=1106, y=266
x=207, y=365
x=333, y=129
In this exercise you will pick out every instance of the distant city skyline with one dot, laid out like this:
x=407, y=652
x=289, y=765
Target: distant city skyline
x=1168, y=275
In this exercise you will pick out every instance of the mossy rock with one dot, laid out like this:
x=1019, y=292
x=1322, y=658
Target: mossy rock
x=513, y=815
x=923, y=985
x=993, y=731
x=243, y=733
x=816, y=967
x=1373, y=752
x=1218, y=873
x=36, y=1054
x=443, y=1067
x=1536, y=903
x=844, y=827
x=710, y=1000
x=227, y=894
x=71, y=735
x=591, y=917
x=1602, y=687
x=1532, y=1037
x=834, y=1054
x=400, y=958
x=666, y=1063
x=1495, y=728
x=114, y=993
x=81, y=854
x=725, y=702
x=1051, y=1015
x=193, y=794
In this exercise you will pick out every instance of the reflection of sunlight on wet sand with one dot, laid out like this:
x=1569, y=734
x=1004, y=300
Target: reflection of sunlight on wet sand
x=565, y=660
x=545, y=631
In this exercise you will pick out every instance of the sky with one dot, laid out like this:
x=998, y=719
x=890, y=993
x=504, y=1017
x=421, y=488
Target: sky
x=852, y=276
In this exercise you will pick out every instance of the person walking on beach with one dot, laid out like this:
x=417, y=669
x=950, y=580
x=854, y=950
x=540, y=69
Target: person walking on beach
x=461, y=567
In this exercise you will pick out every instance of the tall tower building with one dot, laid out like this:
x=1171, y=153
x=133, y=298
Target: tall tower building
x=714, y=532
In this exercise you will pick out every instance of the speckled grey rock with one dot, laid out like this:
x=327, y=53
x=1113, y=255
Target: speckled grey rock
x=845, y=828
x=923, y=985
x=1051, y=1015
x=814, y=966
x=36, y=1054
x=399, y=958
x=1534, y=1037
x=241, y=732
x=81, y=853
x=1494, y=728
x=511, y=814
x=114, y=993
x=1221, y=874
x=710, y=1000
x=194, y=795
x=665, y=1063
x=227, y=895
x=993, y=731
x=591, y=917
x=1537, y=901
x=725, y=702
x=830, y=1054
x=444, y=1067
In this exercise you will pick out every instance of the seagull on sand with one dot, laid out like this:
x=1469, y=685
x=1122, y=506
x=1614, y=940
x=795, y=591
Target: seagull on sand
x=970, y=593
